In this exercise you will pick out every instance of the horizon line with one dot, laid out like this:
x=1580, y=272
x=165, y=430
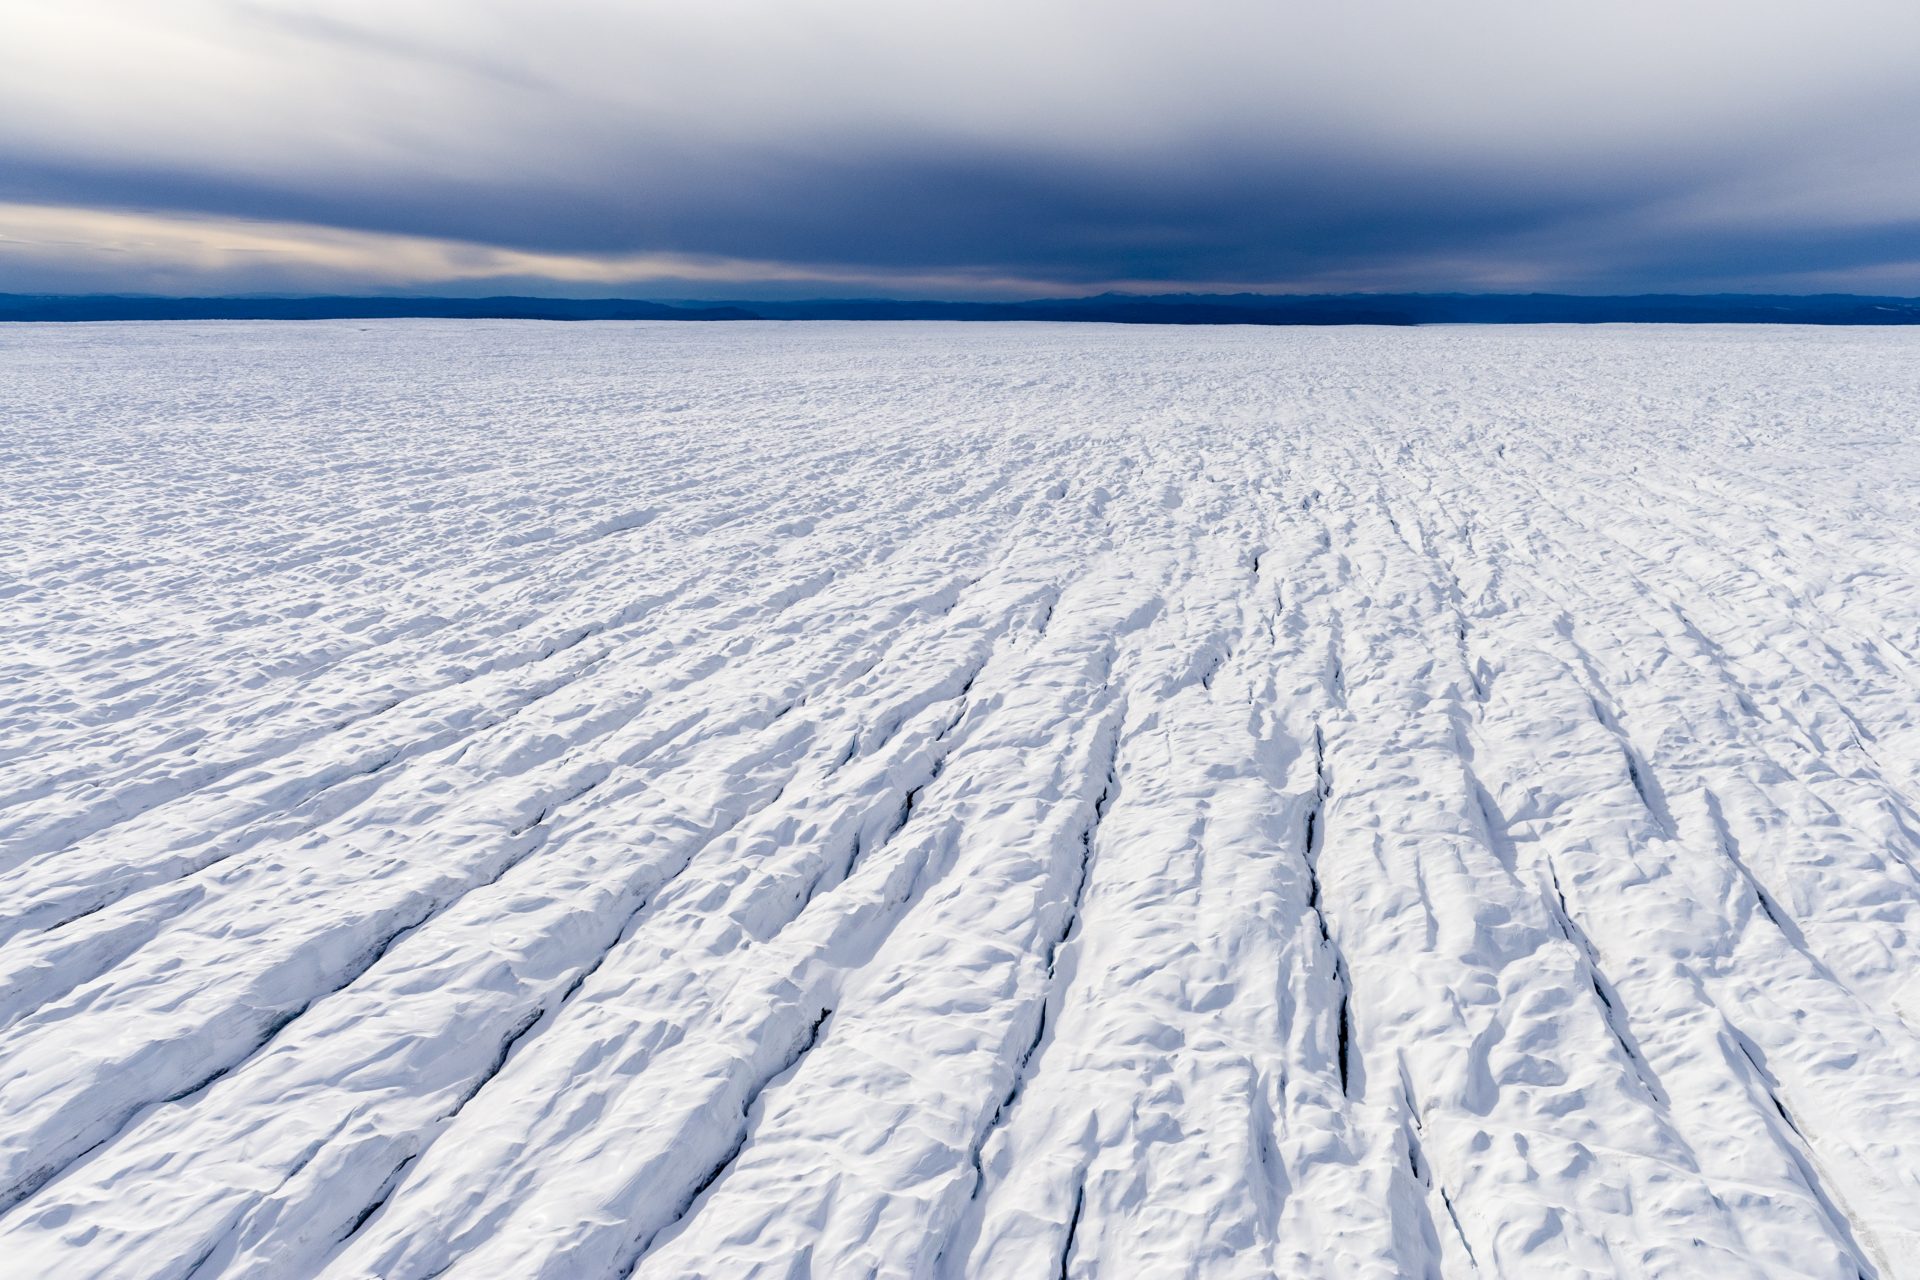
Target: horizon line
x=1391, y=309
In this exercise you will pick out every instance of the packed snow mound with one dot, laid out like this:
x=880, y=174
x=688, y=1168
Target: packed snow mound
x=504, y=800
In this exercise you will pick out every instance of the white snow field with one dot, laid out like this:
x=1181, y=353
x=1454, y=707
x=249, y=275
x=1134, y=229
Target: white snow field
x=518, y=800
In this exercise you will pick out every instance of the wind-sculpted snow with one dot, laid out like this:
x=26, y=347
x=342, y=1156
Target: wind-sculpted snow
x=503, y=800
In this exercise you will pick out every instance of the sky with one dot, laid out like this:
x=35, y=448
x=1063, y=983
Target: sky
x=987, y=149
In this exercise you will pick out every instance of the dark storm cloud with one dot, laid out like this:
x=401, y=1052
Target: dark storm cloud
x=1069, y=145
x=1016, y=213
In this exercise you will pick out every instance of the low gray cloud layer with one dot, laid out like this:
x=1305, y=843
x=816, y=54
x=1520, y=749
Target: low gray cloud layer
x=743, y=146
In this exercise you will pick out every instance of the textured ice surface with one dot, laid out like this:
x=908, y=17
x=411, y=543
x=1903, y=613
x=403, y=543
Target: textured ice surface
x=504, y=800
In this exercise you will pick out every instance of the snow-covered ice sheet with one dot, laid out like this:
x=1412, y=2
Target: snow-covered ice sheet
x=505, y=800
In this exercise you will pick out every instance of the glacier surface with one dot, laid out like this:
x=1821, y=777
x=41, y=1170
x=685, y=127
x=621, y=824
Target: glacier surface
x=506, y=800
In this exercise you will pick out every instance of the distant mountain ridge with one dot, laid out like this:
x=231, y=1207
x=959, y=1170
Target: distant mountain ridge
x=1112, y=308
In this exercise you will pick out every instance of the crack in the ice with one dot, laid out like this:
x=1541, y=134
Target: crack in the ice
x=1652, y=798
x=1800, y=1152
x=597, y=774
x=1271, y=1169
x=1640, y=786
x=1314, y=838
x=1614, y=1012
x=1045, y=620
x=1345, y=1046
x=379, y=1201
x=690, y=1204
x=1210, y=668
x=1458, y=1230
x=201, y=1259
x=1073, y=1228
x=1411, y=1126
x=1769, y=906
x=1051, y=994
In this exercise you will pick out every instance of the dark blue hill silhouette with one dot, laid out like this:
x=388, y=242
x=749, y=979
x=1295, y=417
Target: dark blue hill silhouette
x=1112, y=308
